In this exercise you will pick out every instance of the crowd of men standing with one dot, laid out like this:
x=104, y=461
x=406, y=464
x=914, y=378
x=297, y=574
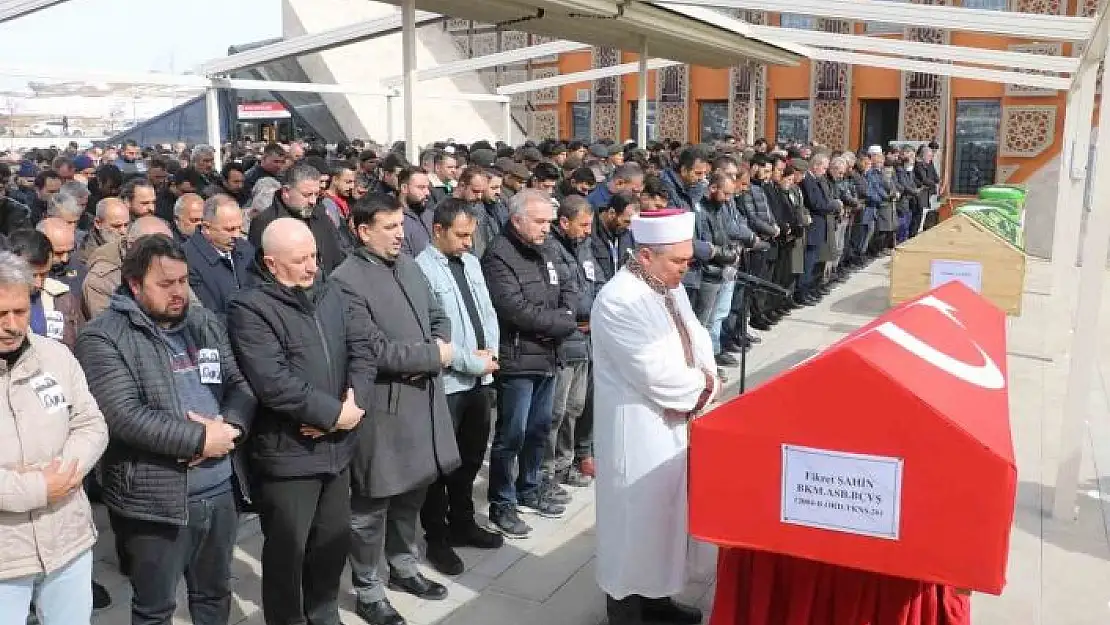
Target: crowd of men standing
x=330, y=339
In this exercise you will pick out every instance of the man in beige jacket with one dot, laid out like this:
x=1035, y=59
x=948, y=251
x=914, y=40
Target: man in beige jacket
x=51, y=435
x=103, y=277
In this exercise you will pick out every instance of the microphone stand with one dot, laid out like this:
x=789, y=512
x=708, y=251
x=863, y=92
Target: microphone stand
x=750, y=282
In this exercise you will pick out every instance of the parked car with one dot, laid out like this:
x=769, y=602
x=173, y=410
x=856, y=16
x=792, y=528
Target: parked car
x=55, y=129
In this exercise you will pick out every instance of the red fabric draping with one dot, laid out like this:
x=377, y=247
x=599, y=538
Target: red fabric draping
x=759, y=588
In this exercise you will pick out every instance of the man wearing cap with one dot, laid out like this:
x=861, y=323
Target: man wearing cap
x=515, y=177
x=653, y=372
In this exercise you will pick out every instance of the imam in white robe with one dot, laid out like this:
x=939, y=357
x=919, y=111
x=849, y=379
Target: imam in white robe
x=639, y=372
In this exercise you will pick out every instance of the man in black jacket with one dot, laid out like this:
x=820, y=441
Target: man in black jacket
x=535, y=311
x=611, y=239
x=164, y=375
x=571, y=438
x=307, y=354
x=14, y=215
x=408, y=442
x=298, y=198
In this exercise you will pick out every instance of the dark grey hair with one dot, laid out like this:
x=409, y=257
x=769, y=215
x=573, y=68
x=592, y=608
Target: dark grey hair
x=213, y=204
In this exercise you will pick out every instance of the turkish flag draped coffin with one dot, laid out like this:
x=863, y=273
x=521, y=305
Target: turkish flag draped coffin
x=889, y=452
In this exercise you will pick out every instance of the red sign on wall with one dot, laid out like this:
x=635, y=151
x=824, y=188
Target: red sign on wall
x=262, y=110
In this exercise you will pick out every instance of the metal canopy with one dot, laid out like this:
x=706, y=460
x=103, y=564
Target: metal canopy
x=621, y=25
x=18, y=8
x=491, y=60
x=588, y=75
x=1032, y=26
x=311, y=43
x=936, y=51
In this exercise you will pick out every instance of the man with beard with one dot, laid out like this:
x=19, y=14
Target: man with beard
x=391, y=168
x=130, y=160
x=163, y=373
x=570, y=442
x=493, y=213
x=109, y=225
x=460, y=289
x=756, y=207
x=611, y=239
x=407, y=442
x=140, y=197
x=337, y=198
x=298, y=199
x=55, y=311
x=415, y=190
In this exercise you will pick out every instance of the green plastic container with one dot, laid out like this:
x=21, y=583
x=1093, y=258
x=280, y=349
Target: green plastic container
x=1000, y=217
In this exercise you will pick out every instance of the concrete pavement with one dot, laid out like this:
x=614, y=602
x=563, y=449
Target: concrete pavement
x=1059, y=572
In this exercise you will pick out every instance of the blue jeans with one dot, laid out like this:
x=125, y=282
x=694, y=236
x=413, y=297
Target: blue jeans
x=721, y=312
x=63, y=597
x=161, y=554
x=524, y=405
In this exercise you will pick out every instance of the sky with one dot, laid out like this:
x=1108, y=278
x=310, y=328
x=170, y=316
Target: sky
x=135, y=35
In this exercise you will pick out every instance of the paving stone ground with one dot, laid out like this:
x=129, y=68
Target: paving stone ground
x=1059, y=571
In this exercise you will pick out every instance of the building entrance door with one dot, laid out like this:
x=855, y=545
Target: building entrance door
x=880, y=122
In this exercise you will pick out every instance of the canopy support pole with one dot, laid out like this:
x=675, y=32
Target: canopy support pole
x=390, y=131
x=212, y=121
x=507, y=119
x=1085, y=340
x=642, y=95
x=750, y=138
x=408, y=71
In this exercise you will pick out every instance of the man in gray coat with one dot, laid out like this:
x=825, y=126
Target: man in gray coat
x=408, y=440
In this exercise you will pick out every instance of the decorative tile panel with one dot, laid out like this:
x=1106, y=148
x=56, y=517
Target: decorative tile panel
x=549, y=95
x=1044, y=49
x=923, y=95
x=545, y=124
x=1003, y=173
x=606, y=96
x=484, y=43
x=921, y=119
x=513, y=39
x=1027, y=130
x=830, y=88
x=672, y=84
x=462, y=42
x=606, y=121
x=671, y=121
x=828, y=126
x=1044, y=7
x=513, y=76
x=744, y=79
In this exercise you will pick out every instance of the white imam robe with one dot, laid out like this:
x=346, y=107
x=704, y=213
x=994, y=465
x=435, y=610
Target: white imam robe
x=639, y=371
